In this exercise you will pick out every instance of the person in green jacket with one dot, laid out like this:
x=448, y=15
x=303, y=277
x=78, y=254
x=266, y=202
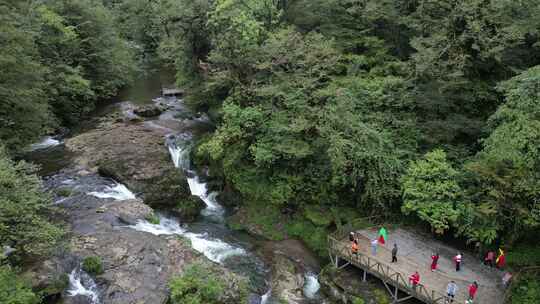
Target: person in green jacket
x=382, y=236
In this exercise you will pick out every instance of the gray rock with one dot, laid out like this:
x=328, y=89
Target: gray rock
x=287, y=281
x=137, y=265
x=76, y=300
x=136, y=156
x=343, y=286
x=148, y=111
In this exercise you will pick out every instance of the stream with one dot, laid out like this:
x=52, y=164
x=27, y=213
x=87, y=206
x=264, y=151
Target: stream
x=208, y=235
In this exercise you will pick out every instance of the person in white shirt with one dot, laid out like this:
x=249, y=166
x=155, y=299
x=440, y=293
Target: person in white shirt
x=451, y=291
x=374, y=244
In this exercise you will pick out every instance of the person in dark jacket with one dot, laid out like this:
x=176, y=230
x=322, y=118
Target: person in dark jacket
x=394, y=253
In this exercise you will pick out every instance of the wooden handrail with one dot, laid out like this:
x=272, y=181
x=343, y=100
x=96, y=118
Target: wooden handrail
x=531, y=270
x=385, y=272
x=343, y=230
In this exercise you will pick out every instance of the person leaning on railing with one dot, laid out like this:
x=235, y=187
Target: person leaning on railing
x=354, y=246
x=414, y=279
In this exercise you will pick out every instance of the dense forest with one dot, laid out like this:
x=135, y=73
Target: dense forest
x=325, y=110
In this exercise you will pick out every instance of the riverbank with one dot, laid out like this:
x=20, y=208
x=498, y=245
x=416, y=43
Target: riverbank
x=121, y=167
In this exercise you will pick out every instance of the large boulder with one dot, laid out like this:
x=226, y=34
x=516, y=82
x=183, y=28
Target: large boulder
x=50, y=277
x=189, y=209
x=148, y=111
x=287, y=280
x=135, y=155
x=346, y=285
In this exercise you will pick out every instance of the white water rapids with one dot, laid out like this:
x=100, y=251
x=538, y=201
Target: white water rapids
x=180, y=158
x=214, y=249
x=118, y=192
x=45, y=143
x=213, y=208
x=311, y=286
x=77, y=288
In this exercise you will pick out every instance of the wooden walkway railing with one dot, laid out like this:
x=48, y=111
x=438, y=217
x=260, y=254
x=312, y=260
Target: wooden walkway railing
x=338, y=249
x=527, y=271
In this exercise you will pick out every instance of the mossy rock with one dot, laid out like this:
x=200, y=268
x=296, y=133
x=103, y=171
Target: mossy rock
x=189, y=208
x=263, y=221
x=319, y=216
x=93, y=265
x=166, y=190
x=64, y=192
x=56, y=287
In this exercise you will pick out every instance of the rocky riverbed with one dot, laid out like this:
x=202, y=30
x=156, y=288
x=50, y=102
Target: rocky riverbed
x=120, y=171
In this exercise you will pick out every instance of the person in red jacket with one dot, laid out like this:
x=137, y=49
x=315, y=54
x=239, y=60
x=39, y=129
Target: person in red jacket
x=473, y=288
x=434, y=261
x=501, y=259
x=414, y=279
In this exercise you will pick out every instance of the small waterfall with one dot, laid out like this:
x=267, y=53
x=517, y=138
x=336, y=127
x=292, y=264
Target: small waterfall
x=311, y=286
x=47, y=142
x=118, y=192
x=166, y=226
x=266, y=296
x=81, y=284
x=180, y=158
x=214, y=249
x=213, y=208
x=179, y=150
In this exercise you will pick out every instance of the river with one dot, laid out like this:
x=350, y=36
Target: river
x=209, y=234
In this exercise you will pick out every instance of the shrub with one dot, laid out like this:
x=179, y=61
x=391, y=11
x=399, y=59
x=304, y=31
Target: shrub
x=318, y=215
x=524, y=255
x=381, y=297
x=358, y=301
x=93, y=265
x=197, y=285
x=315, y=237
x=13, y=290
x=527, y=291
x=22, y=198
x=153, y=218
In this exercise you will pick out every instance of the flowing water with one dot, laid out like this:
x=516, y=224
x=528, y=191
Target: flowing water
x=82, y=285
x=118, y=192
x=311, y=286
x=209, y=235
x=45, y=143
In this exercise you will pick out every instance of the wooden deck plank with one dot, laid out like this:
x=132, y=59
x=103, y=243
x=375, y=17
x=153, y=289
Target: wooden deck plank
x=413, y=256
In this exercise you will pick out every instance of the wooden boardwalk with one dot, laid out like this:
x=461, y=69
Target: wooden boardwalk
x=413, y=256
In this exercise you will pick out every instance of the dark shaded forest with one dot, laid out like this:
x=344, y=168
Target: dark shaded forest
x=325, y=110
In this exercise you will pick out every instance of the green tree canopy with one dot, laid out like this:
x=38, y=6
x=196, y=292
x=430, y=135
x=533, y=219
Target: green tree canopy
x=432, y=192
x=24, y=210
x=13, y=290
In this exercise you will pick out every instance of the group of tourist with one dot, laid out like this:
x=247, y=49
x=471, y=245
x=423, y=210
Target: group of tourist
x=414, y=279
